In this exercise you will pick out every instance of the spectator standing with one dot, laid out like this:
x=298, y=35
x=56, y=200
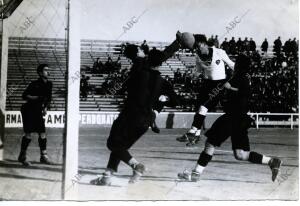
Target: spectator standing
x=225, y=45
x=294, y=48
x=264, y=46
x=246, y=46
x=232, y=46
x=252, y=45
x=216, y=42
x=239, y=45
x=277, y=46
x=287, y=47
x=145, y=47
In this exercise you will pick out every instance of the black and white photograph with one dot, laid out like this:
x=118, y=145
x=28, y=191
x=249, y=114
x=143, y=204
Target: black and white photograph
x=148, y=100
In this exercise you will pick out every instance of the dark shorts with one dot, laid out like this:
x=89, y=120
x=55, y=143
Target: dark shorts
x=33, y=120
x=127, y=129
x=210, y=93
x=232, y=126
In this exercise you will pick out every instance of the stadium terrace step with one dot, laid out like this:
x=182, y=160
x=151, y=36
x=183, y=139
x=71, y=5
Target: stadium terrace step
x=89, y=109
x=88, y=106
x=109, y=109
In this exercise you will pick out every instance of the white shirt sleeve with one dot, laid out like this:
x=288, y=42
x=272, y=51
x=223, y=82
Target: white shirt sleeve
x=226, y=59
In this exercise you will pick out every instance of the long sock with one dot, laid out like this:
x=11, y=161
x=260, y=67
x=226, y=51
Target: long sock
x=43, y=145
x=198, y=120
x=204, y=159
x=255, y=157
x=24, y=144
x=113, y=162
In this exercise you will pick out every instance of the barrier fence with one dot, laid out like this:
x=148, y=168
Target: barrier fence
x=273, y=119
x=56, y=119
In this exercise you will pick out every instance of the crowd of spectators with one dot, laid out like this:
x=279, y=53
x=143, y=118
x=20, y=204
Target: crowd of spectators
x=109, y=66
x=114, y=83
x=274, y=77
x=234, y=47
x=275, y=85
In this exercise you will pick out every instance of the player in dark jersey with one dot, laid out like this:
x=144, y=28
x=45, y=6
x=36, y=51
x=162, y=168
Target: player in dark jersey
x=38, y=96
x=234, y=123
x=167, y=98
x=144, y=88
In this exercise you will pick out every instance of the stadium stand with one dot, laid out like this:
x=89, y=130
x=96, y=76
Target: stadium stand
x=274, y=78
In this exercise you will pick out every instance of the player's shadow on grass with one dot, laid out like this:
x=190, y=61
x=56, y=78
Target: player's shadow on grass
x=15, y=164
x=231, y=180
x=195, y=153
x=92, y=168
x=14, y=176
x=195, y=159
x=175, y=179
x=89, y=184
x=85, y=172
x=272, y=143
x=148, y=178
x=33, y=162
x=237, y=162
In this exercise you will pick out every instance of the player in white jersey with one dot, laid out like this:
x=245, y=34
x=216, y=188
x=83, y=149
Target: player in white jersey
x=211, y=62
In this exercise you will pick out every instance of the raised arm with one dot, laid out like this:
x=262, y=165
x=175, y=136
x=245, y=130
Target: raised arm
x=226, y=59
x=173, y=47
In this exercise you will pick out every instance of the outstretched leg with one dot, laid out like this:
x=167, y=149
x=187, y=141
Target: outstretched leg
x=257, y=158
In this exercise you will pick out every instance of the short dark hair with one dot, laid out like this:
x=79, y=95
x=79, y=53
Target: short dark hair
x=155, y=57
x=131, y=51
x=200, y=38
x=41, y=67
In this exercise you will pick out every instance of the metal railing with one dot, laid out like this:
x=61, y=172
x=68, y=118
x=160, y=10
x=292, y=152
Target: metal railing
x=267, y=122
